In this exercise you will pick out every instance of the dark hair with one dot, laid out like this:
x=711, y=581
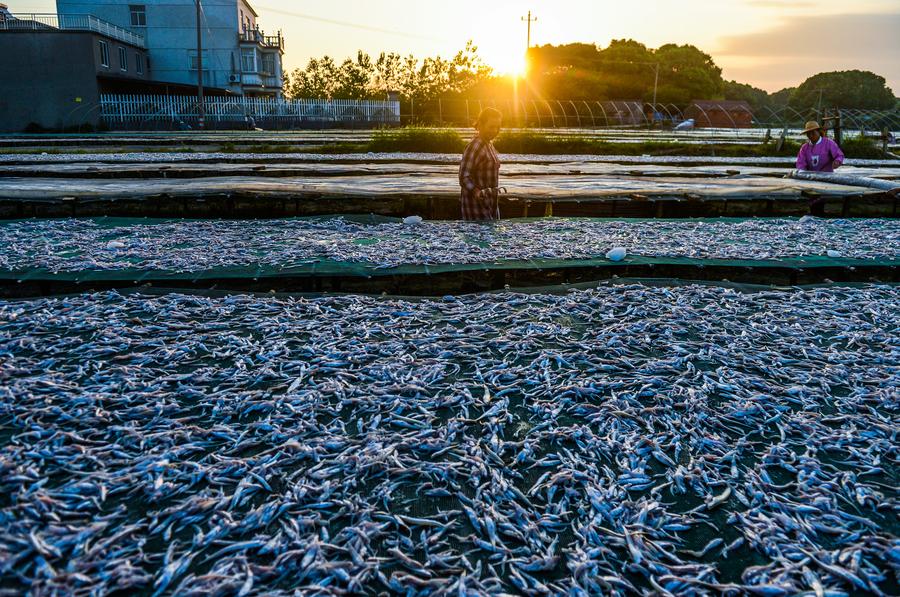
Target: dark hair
x=488, y=114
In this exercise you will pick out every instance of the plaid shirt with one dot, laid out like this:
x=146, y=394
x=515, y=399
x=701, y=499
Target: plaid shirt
x=479, y=171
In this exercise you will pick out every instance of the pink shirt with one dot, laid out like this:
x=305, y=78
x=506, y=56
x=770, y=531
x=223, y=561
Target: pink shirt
x=823, y=156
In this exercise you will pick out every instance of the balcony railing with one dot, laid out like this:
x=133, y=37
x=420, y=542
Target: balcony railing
x=259, y=37
x=259, y=80
x=82, y=22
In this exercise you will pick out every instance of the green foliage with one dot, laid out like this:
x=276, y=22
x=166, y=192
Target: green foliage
x=626, y=69
x=781, y=98
x=434, y=140
x=861, y=148
x=548, y=59
x=757, y=98
x=537, y=143
x=315, y=81
x=574, y=84
x=688, y=74
x=417, y=139
x=857, y=89
x=365, y=78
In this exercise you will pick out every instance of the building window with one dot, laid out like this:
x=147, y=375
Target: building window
x=268, y=64
x=248, y=60
x=123, y=59
x=104, y=54
x=138, y=15
x=192, y=60
x=139, y=63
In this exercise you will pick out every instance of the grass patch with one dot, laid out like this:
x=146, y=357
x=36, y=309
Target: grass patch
x=429, y=140
x=417, y=139
x=436, y=140
x=536, y=143
x=862, y=148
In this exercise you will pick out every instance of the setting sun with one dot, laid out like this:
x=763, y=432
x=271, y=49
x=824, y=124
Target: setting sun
x=509, y=63
x=504, y=49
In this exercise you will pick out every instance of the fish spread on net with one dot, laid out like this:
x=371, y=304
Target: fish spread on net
x=190, y=245
x=444, y=158
x=623, y=440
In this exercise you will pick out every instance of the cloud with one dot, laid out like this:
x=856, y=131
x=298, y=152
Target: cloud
x=802, y=46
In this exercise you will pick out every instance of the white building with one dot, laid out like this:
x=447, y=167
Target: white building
x=237, y=56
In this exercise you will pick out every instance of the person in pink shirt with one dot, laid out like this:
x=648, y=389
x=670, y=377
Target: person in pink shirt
x=820, y=154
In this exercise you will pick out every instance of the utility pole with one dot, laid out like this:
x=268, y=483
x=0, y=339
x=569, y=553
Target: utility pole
x=201, y=108
x=530, y=21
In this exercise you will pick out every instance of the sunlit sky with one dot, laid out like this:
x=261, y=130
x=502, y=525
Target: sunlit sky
x=768, y=43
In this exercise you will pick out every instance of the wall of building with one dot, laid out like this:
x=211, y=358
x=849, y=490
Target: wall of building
x=52, y=79
x=246, y=16
x=47, y=79
x=135, y=67
x=170, y=34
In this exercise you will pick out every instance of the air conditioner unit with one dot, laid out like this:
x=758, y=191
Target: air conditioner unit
x=234, y=78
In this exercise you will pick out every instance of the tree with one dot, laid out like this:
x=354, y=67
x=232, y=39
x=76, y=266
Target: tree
x=549, y=59
x=622, y=52
x=365, y=78
x=387, y=74
x=856, y=89
x=759, y=99
x=466, y=70
x=686, y=74
x=625, y=70
x=317, y=80
x=569, y=71
x=779, y=99
x=354, y=78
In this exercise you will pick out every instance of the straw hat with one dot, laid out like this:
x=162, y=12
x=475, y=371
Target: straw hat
x=812, y=125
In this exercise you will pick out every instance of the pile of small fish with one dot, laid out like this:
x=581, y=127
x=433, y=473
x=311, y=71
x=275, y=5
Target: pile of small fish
x=624, y=440
x=169, y=157
x=198, y=245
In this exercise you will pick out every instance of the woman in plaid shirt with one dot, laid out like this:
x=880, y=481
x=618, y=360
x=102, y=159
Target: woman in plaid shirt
x=479, y=171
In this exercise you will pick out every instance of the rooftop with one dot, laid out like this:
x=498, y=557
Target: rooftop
x=54, y=22
x=722, y=104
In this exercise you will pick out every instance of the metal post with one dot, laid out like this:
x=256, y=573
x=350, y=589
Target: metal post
x=201, y=109
x=655, y=87
x=838, y=128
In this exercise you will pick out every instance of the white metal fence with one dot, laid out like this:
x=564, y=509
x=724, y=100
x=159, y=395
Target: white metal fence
x=163, y=111
x=69, y=22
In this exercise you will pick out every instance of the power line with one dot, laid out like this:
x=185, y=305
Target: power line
x=348, y=24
